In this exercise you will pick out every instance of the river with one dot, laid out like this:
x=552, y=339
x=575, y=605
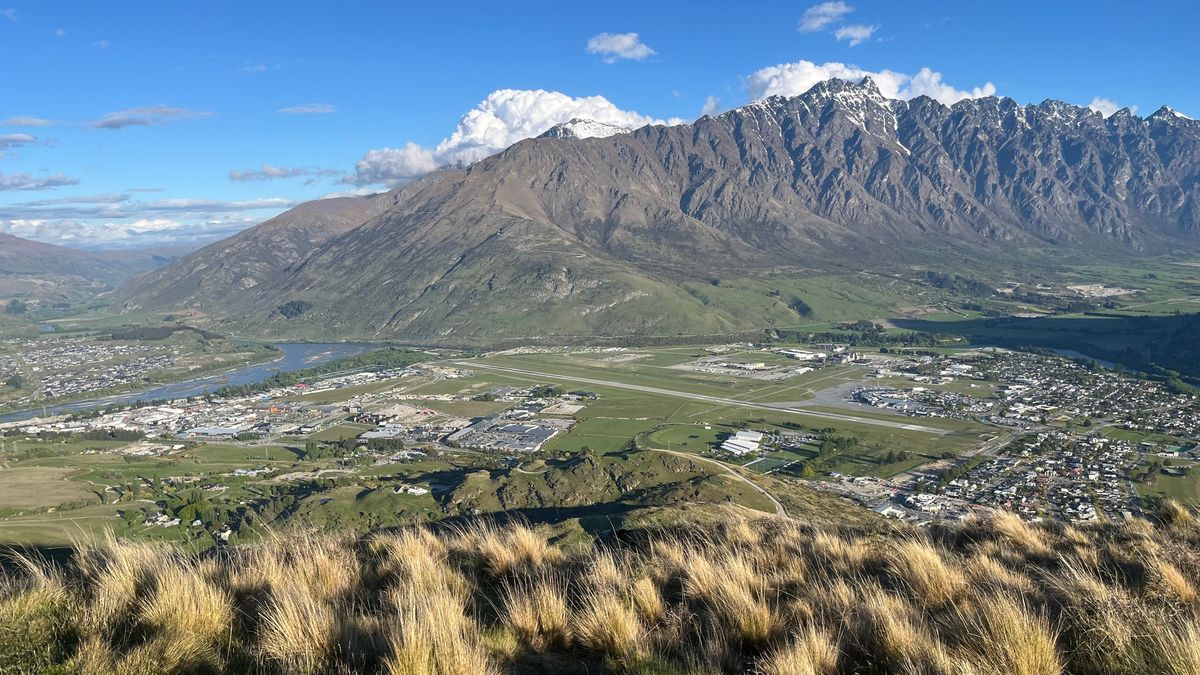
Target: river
x=295, y=357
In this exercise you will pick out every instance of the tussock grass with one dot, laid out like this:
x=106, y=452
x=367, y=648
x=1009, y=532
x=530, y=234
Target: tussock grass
x=538, y=613
x=747, y=594
x=1003, y=637
x=813, y=653
x=1175, y=515
x=924, y=572
x=608, y=624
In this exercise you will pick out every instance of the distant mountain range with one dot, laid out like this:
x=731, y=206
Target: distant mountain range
x=33, y=270
x=584, y=232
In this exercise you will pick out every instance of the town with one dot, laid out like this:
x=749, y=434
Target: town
x=1038, y=434
x=1069, y=450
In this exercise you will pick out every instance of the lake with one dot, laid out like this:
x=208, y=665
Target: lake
x=295, y=357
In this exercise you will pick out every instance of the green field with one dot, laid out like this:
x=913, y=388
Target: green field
x=1134, y=436
x=1182, y=488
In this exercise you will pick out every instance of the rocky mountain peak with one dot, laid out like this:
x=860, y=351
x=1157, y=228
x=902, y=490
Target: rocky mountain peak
x=1169, y=114
x=584, y=128
x=603, y=237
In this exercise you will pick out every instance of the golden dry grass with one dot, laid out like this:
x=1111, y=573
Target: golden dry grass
x=759, y=594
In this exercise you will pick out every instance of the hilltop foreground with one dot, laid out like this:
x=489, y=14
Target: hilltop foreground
x=761, y=594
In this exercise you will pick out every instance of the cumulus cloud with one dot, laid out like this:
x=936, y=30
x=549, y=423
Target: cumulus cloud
x=819, y=17
x=135, y=234
x=16, y=140
x=856, y=34
x=120, y=220
x=712, y=106
x=391, y=166
x=308, y=109
x=146, y=116
x=1107, y=106
x=792, y=79
x=25, y=121
x=929, y=83
x=503, y=118
x=24, y=181
x=613, y=47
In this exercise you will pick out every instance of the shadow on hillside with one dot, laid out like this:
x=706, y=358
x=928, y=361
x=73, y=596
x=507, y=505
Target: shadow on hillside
x=1139, y=342
x=595, y=519
x=11, y=553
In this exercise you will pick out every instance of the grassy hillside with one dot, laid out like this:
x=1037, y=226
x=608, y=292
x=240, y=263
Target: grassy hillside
x=730, y=593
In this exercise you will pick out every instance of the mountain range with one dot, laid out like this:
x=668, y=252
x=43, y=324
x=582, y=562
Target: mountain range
x=32, y=270
x=704, y=227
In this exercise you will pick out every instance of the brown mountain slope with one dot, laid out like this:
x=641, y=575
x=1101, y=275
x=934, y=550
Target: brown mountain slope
x=39, y=271
x=619, y=235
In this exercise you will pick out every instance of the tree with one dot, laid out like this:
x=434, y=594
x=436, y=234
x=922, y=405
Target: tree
x=15, y=382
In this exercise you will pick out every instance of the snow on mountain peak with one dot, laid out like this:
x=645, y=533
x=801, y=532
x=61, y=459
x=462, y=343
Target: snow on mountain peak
x=584, y=128
x=1168, y=113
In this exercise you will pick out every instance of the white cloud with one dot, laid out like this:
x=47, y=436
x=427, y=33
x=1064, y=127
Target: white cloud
x=819, y=17
x=510, y=115
x=208, y=206
x=856, y=33
x=793, y=79
x=59, y=32
x=615, y=46
x=503, y=118
x=257, y=68
x=1107, y=106
x=308, y=109
x=929, y=83
x=131, y=235
x=146, y=116
x=712, y=106
x=124, y=206
x=391, y=166
x=25, y=121
x=272, y=172
x=120, y=220
x=10, y=14
x=153, y=225
x=24, y=181
x=16, y=140
x=101, y=44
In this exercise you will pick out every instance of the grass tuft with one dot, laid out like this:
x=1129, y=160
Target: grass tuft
x=768, y=595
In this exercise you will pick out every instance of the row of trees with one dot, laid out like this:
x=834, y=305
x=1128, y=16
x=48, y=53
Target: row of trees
x=386, y=359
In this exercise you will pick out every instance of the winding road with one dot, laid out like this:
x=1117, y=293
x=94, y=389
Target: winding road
x=779, y=510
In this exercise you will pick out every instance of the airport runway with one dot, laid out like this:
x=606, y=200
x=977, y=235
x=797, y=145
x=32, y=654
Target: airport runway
x=478, y=365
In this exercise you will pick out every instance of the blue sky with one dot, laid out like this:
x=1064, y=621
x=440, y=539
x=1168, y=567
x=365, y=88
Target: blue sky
x=153, y=121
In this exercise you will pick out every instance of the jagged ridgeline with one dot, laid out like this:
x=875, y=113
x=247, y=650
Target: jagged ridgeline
x=704, y=228
x=731, y=594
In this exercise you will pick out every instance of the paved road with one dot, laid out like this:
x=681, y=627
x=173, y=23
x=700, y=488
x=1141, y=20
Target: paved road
x=779, y=510
x=706, y=398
